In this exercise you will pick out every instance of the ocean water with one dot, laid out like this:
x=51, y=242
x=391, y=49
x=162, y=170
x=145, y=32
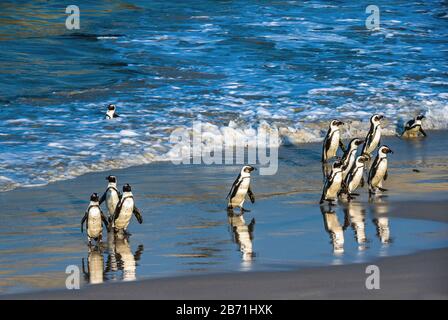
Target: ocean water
x=291, y=65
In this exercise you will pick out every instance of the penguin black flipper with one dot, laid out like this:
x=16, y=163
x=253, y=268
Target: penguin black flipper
x=341, y=144
x=386, y=175
x=116, y=115
x=234, y=187
x=103, y=217
x=373, y=169
x=251, y=195
x=117, y=211
x=138, y=215
x=422, y=131
x=103, y=197
x=83, y=220
x=362, y=182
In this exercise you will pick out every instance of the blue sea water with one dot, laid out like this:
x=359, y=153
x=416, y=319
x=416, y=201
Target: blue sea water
x=292, y=64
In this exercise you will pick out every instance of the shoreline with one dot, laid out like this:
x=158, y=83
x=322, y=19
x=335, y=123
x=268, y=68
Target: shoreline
x=404, y=277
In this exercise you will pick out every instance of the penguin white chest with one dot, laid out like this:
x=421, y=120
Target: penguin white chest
x=375, y=140
x=335, y=186
x=238, y=199
x=334, y=144
x=111, y=201
x=110, y=114
x=125, y=214
x=349, y=164
x=94, y=226
x=379, y=174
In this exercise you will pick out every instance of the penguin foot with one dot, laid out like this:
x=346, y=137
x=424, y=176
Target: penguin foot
x=382, y=189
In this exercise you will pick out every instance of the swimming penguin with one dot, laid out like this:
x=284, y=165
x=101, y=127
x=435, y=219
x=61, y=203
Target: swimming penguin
x=414, y=127
x=373, y=137
x=111, y=195
x=95, y=219
x=332, y=141
x=239, y=190
x=111, y=112
x=333, y=184
x=378, y=170
x=349, y=157
x=124, y=210
x=355, y=177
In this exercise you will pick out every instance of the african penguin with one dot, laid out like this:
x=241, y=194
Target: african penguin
x=348, y=159
x=378, y=170
x=373, y=137
x=111, y=195
x=414, y=127
x=111, y=112
x=355, y=177
x=124, y=210
x=333, y=184
x=95, y=219
x=241, y=188
x=332, y=141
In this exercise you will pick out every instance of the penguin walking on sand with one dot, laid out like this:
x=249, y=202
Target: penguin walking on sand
x=355, y=177
x=373, y=138
x=95, y=219
x=124, y=210
x=378, y=171
x=241, y=188
x=332, y=141
x=333, y=184
x=349, y=157
x=111, y=195
x=413, y=128
x=111, y=112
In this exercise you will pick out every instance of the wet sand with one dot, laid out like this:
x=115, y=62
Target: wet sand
x=184, y=212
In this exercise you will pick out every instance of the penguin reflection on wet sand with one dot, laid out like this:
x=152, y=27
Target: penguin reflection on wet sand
x=373, y=138
x=357, y=215
x=332, y=141
x=243, y=234
x=94, y=274
x=378, y=171
x=413, y=128
x=381, y=220
x=334, y=229
x=94, y=219
x=111, y=195
x=124, y=211
x=111, y=112
x=126, y=259
x=240, y=189
x=333, y=184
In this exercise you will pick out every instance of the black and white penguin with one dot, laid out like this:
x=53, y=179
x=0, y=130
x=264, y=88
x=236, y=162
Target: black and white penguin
x=111, y=195
x=124, y=210
x=373, y=137
x=239, y=190
x=95, y=219
x=378, y=170
x=111, y=112
x=333, y=184
x=413, y=128
x=349, y=157
x=332, y=141
x=355, y=177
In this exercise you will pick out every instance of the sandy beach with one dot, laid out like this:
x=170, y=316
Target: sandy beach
x=188, y=247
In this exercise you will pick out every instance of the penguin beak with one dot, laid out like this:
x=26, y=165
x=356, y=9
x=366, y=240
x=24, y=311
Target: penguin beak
x=252, y=169
x=340, y=123
x=390, y=151
x=380, y=117
x=360, y=142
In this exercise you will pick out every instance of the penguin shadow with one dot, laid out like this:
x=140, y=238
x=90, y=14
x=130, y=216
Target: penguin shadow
x=242, y=235
x=380, y=210
x=355, y=216
x=122, y=258
x=93, y=268
x=334, y=229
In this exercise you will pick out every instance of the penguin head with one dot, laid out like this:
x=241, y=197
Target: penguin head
x=127, y=188
x=385, y=150
x=361, y=160
x=111, y=107
x=376, y=118
x=334, y=124
x=420, y=117
x=356, y=142
x=111, y=179
x=247, y=169
x=94, y=197
x=337, y=166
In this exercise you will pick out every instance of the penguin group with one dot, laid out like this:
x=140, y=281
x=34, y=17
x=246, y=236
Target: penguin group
x=347, y=172
x=120, y=207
